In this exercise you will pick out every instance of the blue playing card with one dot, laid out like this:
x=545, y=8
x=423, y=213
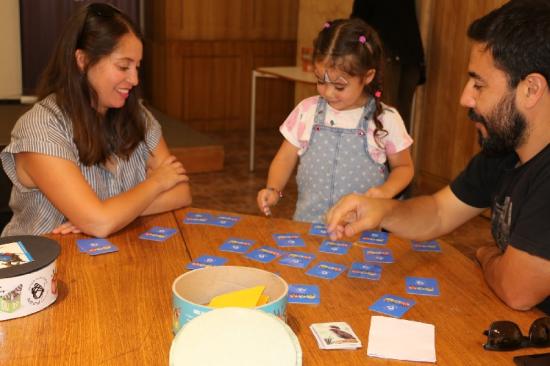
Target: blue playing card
x=206, y=261
x=289, y=240
x=378, y=255
x=94, y=244
x=326, y=270
x=236, y=245
x=224, y=221
x=422, y=286
x=365, y=270
x=392, y=305
x=318, y=229
x=198, y=218
x=374, y=237
x=158, y=233
x=335, y=247
x=426, y=246
x=297, y=259
x=304, y=294
x=264, y=254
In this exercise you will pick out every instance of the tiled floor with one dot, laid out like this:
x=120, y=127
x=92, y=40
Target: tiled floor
x=235, y=188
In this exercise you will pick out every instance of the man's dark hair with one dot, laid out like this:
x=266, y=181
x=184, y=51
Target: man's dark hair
x=518, y=36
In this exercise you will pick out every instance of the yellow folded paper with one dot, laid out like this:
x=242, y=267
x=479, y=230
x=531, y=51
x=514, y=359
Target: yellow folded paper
x=245, y=298
x=264, y=299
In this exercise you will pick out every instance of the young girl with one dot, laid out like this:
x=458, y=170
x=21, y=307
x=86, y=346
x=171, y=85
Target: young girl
x=345, y=135
x=88, y=157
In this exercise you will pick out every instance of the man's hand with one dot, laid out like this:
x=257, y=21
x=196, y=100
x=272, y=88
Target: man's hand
x=355, y=213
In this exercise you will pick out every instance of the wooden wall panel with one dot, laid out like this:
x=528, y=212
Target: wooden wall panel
x=200, y=55
x=446, y=138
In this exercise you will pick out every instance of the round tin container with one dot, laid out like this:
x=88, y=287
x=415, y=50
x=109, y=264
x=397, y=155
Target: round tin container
x=28, y=281
x=193, y=289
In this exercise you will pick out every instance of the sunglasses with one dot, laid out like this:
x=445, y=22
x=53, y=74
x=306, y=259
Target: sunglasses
x=504, y=335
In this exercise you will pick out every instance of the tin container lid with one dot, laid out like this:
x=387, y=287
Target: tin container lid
x=236, y=337
x=43, y=251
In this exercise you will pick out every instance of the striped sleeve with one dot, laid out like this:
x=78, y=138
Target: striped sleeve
x=154, y=130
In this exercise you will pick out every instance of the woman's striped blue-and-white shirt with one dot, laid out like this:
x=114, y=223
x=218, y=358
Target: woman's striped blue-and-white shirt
x=45, y=129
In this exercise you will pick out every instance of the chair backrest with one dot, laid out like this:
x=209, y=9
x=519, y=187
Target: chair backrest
x=5, y=192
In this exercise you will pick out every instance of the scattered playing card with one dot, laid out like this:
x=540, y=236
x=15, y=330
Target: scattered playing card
x=158, y=233
x=426, y=246
x=96, y=246
x=374, y=237
x=236, y=245
x=365, y=270
x=289, y=240
x=326, y=270
x=198, y=218
x=378, y=255
x=206, y=261
x=392, y=305
x=224, y=221
x=422, y=286
x=335, y=247
x=264, y=254
x=303, y=294
x=297, y=259
x=318, y=229
x=14, y=254
x=335, y=335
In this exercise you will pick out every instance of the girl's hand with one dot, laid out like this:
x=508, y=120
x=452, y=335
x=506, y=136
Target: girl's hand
x=168, y=174
x=267, y=198
x=66, y=228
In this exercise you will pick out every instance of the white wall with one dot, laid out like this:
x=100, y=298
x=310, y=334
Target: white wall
x=11, y=84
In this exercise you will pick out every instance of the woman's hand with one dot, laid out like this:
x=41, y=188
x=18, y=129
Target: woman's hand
x=168, y=174
x=66, y=228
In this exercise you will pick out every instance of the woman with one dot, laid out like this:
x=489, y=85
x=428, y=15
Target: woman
x=88, y=157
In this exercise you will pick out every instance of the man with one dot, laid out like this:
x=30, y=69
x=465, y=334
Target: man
x=508, y=98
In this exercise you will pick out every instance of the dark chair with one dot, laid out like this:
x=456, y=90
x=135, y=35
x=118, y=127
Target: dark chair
x=5, y=191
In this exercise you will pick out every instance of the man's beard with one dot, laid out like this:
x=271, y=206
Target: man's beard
x=506, y=127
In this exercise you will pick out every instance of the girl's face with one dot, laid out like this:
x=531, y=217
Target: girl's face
x=116, y=74
x=341, y=90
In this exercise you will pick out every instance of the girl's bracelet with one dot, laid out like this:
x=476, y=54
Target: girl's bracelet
x=279, y=193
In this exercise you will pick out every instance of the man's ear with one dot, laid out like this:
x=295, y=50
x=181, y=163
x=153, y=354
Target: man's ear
x=532, y=88
x=369, y=76
x=81, y=59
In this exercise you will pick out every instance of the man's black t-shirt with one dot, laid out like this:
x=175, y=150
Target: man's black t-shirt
x=519, y=196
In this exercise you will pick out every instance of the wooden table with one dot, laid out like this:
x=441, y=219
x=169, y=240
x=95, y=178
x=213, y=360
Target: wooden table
x=116, y=309
x=464, y=309
x=112, y=309
x=291, y=73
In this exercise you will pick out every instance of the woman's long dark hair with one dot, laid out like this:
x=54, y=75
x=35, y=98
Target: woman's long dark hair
x=96, y=29
x=352, y=46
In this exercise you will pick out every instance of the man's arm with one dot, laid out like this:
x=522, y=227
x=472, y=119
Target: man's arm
x=419, y=218
x=519, y=279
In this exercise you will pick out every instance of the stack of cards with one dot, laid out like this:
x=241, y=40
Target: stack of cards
x=207, y=261
x=318, y=229
x=207, y=219
x=304, y=294
x=335, y=335
x=96, y=246
x=264, y=254
x=335, y=247
x=374, y=237
x=289, y=240
x=236, y=245
x=296, y=259
x=392, y=305
x=326, y=270
x=158, y=233
x=426, y=246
